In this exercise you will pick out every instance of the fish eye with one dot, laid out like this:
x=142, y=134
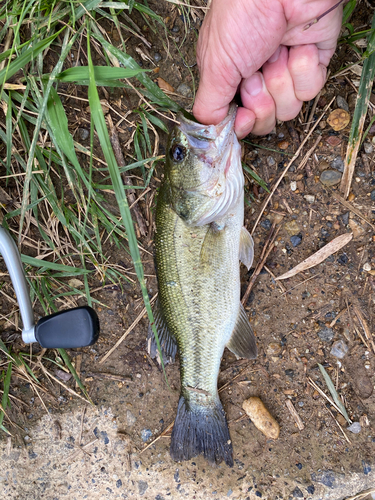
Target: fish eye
x=177, y=152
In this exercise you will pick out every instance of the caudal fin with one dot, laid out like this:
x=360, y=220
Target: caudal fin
x=201, y=429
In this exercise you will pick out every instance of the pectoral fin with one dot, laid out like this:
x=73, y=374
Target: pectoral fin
x=167, y=341
x=242, y=342
x=246, y=248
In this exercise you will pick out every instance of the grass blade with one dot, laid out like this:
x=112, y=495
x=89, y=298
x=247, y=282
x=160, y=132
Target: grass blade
x=360, y=112
x=334, y=394
x=65, y=357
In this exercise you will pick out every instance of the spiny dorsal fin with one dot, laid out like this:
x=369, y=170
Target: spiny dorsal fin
x=246, y=248
x=242, y=342
x=167, y=341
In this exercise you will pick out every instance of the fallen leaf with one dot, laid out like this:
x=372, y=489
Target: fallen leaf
x=75, y=283
x=105, y=106
x=338, y=119
x=319, y=256
x=165, y=85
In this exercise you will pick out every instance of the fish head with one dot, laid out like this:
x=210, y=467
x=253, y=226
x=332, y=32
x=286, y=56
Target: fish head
x=203, y=169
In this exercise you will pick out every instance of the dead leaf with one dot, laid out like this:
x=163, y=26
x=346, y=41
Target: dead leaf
x=75, y=283
x=356, y=69
x=165, y=85
x=105, y=106
x=338, y=119
x=319, y=256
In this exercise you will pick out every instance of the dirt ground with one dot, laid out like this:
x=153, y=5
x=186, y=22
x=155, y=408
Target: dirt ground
x=79, y=451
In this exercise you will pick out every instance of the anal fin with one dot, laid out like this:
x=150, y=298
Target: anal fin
x=246, y=248
x=167, y=341
x=242, y=342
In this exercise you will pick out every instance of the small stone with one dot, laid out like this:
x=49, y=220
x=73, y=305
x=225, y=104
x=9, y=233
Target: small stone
x=271, y=161
x=366, y=468
x=311, y=489
x=356, y=228
x=338, y=164
x=157, y=57
x=292, y=228
x=344, y=218
x=342, y=103
x=368, y=147
x=297, y=493
x=309, y=198
x=184, y=90
x=118, y=483
x=83, y=133
x=355, y=428
x=283, y=145
x=289, y=372
x=130, y=418
x=175, y=29
x=372, y=195
x=326, y=477
x=293, y=185
x=330, y=177
x=146, y=434
x=323, y=165
x=322, y=125
x=339, y=349
x=273, y=349
x=296, y=240
x=142, y=487
x=351, y=197
x=266, y=224
x=326, y=334
x=367, y=266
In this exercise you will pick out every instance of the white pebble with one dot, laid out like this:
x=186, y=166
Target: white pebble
x=368, y=147
x=367, y=266
x=309, y=198
x=355, y=428
x=293, y=185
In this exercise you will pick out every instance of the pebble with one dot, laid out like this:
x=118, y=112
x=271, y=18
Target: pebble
x=368, y=147
x=271, y=161
x=293, y=185
x=273, y=349
x=142, y=487
x=355, y=428
x=366, y=468
x=330, y=177
x=175, y=29
x=326, y=334
x=157, y=57
x=309, y=198
x=344, y=218
x=323, y=165
x=339, y=349
x=146, y=434
x=292, y=228
x=338, y=164
x=342, y=103
x=357, y=229
x=372, y=195
x=326, y=477
x=297, y=493
x=266, y=224
x=130, y=418
x=367, y=266
x=184, y=90
x=83, y=133
x=311, y=489
x=289, y=372
x=261, y=417
x=296, y=240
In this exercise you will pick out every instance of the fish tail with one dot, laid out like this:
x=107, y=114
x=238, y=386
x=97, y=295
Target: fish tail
x=201, y=429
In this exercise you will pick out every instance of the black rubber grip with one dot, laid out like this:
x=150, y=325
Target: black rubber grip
x=77, y=327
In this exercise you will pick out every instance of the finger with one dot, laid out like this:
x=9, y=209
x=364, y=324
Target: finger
x=245, y=121
x=256, y=98
x=279, y=83
x=307, y=73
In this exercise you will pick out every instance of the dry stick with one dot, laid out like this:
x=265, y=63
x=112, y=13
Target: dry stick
x=262, y=260
x=308, y=154
x=364, y=325
x=121, y=339
x=350, y=207
x=295, y=415
x=339, y=426
x=281, y=286
x=130, y=193
x=311, y=115
x=234, y=378
x=290, y=163
x=157, y=438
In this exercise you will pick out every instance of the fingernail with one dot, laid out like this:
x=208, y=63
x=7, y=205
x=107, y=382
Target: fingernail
x=275, y=55
x=254, y=84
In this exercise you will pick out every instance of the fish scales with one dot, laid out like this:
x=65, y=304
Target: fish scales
x=199, y=241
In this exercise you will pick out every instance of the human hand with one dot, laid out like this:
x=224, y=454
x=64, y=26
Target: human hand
x=238, y=37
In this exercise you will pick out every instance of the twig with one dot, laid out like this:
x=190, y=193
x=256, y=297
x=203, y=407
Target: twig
x=281, y=286
x=123, y=337
x=295, y=415
x=339, y=426
x=307, y=156
x=290, y=163
x=364, y=325
x=267, y=249
x=316, y=387
x=350, y=207
x=311, y=115
x=130, y=193
x=234, y=378
x=157, y=438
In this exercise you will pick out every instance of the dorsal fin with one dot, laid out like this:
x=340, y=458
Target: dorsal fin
x=242, y=342
x=167, y=341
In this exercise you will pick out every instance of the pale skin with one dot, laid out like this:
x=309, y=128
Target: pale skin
x=259, y=48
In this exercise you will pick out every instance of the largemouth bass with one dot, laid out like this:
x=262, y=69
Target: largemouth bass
x=200, y=240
